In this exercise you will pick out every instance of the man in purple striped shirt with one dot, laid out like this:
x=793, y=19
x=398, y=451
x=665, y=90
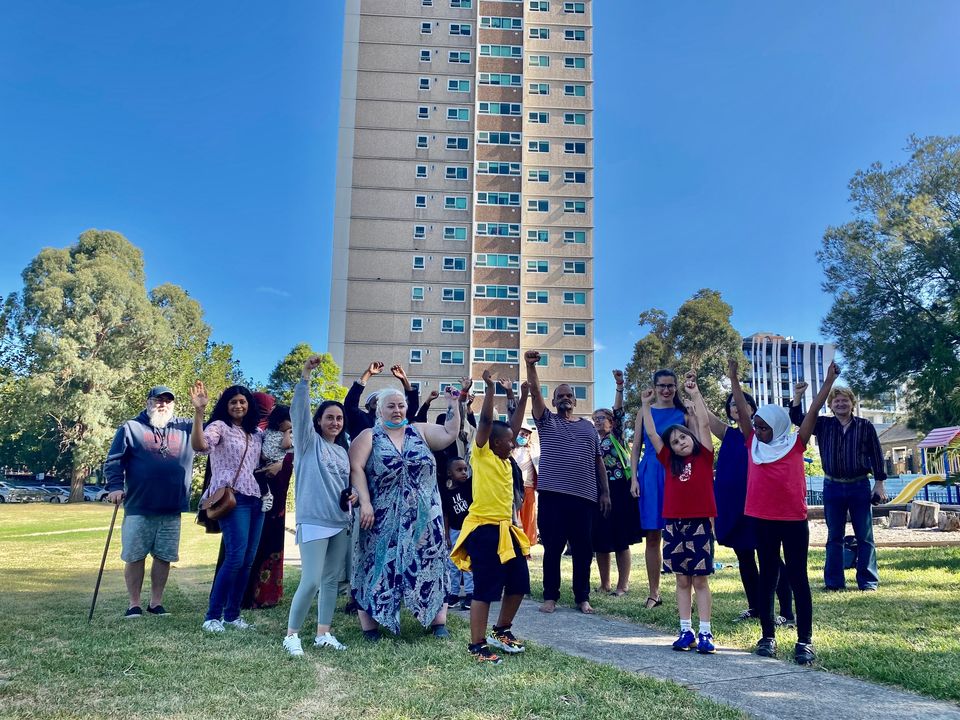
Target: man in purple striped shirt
x=571, y=481
x=849, y=450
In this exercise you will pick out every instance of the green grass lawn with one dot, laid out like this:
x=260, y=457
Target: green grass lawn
x=904, y=634
x=54, y=665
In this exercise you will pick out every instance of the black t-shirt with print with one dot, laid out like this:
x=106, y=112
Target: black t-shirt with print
x=456, y=502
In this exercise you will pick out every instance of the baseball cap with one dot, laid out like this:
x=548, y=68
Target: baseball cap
x=159, y=390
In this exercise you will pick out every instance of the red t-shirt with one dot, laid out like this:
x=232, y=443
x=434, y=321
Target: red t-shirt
x=691, y=494
x=777, y=490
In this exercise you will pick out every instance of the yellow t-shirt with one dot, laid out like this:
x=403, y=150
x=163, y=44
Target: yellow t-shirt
x=492, y=485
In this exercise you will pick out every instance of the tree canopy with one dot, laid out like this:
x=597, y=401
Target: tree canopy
x=894, y=274
x=324, y=384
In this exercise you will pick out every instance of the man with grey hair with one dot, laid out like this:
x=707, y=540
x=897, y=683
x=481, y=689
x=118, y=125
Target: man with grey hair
x=149, y=468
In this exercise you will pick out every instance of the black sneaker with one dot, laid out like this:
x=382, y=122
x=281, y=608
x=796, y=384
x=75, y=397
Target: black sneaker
x=351, y=607
x=803, y=654
x=132, y=613
x=452, y=600
x=767, y=647
x=482, y=654
x=157, y=610
x=466, y=602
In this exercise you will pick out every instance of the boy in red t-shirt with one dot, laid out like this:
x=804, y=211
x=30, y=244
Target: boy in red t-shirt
x=688, y=509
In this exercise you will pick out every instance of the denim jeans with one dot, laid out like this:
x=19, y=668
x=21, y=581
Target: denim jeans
x=456, y=573
x=241, y=536
x=839, y=499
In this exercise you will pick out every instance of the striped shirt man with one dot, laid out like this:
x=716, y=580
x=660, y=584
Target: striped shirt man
x=568, y=456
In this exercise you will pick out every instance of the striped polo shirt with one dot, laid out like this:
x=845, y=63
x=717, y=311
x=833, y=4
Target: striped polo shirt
x=568, y=456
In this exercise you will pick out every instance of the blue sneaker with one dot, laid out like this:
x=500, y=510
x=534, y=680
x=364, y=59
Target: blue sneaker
x=705, y=644
x=685, y=642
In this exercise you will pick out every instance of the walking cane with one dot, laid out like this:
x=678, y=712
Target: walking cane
x=103, y=562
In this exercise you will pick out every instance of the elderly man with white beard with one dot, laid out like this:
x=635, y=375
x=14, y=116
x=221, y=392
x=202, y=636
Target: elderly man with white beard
x=149, y=470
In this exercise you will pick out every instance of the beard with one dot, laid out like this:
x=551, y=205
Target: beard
x=159, y=417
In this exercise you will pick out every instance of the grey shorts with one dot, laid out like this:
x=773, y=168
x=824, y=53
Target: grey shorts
x=157, y=535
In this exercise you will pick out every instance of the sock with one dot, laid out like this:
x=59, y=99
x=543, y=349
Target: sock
x=685, y=624
x=705, y=627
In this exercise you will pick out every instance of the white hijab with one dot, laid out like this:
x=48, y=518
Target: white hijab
x=783, y=440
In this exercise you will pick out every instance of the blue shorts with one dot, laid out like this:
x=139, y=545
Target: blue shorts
x=493, y=579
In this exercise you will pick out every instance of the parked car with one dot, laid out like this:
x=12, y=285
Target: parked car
x=11, y=494
x=95, y=493
x=57, y=494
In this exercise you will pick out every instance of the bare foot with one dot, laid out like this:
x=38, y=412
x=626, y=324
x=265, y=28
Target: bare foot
x=549, y=606
x=607, y=590
x=585, y=607
x=619, y=592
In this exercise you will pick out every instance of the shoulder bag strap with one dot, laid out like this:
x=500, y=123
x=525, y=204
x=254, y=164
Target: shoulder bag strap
x=242, y=458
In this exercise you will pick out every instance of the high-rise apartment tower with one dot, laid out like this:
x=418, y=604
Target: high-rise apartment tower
x=464, y=209
x=777, y=362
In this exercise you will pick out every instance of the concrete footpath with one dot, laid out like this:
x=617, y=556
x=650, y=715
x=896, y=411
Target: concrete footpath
x=761, y=687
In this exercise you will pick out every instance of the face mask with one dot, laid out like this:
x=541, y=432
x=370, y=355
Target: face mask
x=394, y=426
x=521, y=441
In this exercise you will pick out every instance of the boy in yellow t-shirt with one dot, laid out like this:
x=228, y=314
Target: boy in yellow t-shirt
x=490, y=545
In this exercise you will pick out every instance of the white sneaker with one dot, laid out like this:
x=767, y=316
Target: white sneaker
x=213, y=626
x=328, y=640
x=239, y=624
x=292, y=644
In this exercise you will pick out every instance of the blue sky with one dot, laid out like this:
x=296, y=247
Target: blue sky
x=206, y=133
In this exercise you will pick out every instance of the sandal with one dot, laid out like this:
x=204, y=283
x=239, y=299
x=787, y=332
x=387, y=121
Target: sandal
x=617, y=593
x=657, y=602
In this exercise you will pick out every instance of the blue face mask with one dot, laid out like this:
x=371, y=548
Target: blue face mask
x=521, y=441
x=394, y=426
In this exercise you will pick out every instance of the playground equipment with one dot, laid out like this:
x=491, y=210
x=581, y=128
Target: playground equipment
x=940, y=463
x=913, y=487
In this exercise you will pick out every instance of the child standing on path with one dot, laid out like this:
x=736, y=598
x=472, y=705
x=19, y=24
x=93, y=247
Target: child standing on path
x=490, y=544
x=688, y=509
x=777, y=497
x=456, y=494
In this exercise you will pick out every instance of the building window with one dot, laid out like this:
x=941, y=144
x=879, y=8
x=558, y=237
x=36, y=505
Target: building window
x=499, y=229
x=577, y=207
x=537, y=33
x=575, y=35
x=455, y=263
x=575, y=148
x=539, y=146
x=423, y=112
x=450, y=325
x=416, y=356
x=575, y=328
x=461, y=29
x=498, y=138
x=455, y=173
x=451, y=357
x=539, y=61
x=454, y=202
x=538, y=328
x=496, y=355
x=496, y=323
x=425, y=55
x=419, y=232
x=422, y=141
x=416, y=293
x=454, y=295
x=538, y=266
x=539, y=6
x=462, y=4
x=497, y=260
x=574, y=360
x=501, y=79
x=574, y=267
x=578, y=237
x=539, y=88
x=507, y=51
x=575, y=90
x=574, y=118
x=420, y=201
x=580, y=392
x=426, y=3
x=574, y=298
x=497, y=292
x=458, y=143
x=499, y=108
x=419, y=262
x=492, y=198
x=421, y=171
x=538, y=176
x=540, y=206
x=454, y=233
x=540, y=118
x=501, y=23
x=458, y=114
x=416, y=324
x=539, y=236
x=574, y=8
x=460, y=57
x=459, y=86
x=575, y=177
x=426, y=28
x=544, y=362
x=424, y=83
x=538, y=297
x=485, y=167
x=575, y=63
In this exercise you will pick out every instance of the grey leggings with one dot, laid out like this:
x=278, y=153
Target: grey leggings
x=321, y=566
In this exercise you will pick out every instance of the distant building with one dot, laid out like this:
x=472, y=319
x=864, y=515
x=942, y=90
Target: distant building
x=778, y=361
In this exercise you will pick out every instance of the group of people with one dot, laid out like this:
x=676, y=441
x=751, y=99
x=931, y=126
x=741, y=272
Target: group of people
x=406, y=511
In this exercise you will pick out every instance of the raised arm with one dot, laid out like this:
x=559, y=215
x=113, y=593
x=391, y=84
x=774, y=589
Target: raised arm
x=359, y=454
x=796, y=403
x=743, y=409
x=646, y=400
x=439, y=437
x=618, y=398
x=531, y=358
x=303, y=430
x=425, y=408
x=199, y=399
x=516, y=418
x=486, y=412
x=810, y=419
x=717, y=426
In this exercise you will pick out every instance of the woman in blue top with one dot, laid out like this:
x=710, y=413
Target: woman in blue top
x=667, y=410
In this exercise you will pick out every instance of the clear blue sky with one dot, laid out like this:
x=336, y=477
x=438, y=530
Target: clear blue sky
x=206, y=133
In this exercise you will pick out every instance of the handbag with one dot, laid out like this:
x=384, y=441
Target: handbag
x=222, y=502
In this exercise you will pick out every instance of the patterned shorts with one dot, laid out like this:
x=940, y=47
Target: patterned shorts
x=157, y=535
x=688, y=546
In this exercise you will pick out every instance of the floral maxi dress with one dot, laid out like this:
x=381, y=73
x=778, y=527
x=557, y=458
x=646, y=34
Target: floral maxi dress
x=402, y=558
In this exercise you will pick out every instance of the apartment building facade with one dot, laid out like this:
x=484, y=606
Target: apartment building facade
x=463, y=228
x=776, y=362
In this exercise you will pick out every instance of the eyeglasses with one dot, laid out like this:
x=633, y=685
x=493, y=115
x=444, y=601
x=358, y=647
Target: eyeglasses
x=661, y=386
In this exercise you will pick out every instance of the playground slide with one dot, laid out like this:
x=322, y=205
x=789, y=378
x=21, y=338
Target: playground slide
x=913, y=487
